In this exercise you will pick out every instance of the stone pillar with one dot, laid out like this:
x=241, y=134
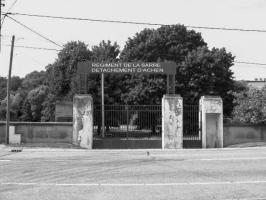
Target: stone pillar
x=211, y=119
x=172, y=122
x=83, y=121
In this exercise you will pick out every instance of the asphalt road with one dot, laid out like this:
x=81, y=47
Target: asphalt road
x=54, y=174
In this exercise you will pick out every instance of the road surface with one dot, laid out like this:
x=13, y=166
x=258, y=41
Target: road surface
x=56, y=174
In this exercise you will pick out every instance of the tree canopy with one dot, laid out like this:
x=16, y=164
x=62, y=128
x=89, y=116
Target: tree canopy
x=197, y=67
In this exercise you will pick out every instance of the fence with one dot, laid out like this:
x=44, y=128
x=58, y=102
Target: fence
x=128, y=121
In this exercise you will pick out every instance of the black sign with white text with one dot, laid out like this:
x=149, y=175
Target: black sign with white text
x=127, y=67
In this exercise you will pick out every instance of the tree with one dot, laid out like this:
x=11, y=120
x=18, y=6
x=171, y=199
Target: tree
x=165, y=43
x=204, y=71
x=14, y=86
x=61, y=76
x=16, y=98
x=3, y=105
x=33, y=80
x=106, y=52
x=250, y=106
x=16, y=101
x=62, y=73
x=34, y=103
x=48, y=112
x=198, y=67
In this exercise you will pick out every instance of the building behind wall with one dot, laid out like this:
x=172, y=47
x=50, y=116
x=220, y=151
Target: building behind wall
x=64, y=111
x=258, y=83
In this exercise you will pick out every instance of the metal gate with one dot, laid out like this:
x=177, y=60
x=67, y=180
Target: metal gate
x=139, y=126
x=128, y=126
x=191, y=126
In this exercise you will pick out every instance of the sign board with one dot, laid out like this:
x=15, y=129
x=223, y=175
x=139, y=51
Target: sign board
x=126, y=68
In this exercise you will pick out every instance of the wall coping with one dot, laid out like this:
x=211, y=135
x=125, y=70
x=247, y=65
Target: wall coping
x=39, y=123
x=244, y=125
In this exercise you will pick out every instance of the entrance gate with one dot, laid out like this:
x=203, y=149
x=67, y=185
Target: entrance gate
x=192, y=136
x=139, y=126
x=128, y=126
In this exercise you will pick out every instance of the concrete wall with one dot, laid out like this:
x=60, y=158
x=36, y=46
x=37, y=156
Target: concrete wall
x=40, y=132
x=52, y=132
x=238, y=134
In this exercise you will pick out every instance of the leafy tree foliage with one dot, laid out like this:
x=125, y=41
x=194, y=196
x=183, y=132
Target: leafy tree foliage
x=108, y=52
x=33, y=80
x=62, y=72
x=61, y=76
x=165, y=43
x=16, y=98
x=15, y=85
x=198, y=67
x=34, y=103
x=250, y=106
x=205, y=71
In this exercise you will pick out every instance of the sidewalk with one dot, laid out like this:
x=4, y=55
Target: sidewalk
x=246, y=146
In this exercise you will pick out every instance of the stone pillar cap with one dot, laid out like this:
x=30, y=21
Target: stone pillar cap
x=171, y=95
x=210, y=97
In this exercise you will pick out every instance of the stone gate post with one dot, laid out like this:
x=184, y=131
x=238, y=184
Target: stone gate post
x=172, y=122
x=211, y=119
x=83, y=121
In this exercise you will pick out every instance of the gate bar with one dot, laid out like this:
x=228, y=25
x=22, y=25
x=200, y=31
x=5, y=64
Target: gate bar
x=102, y=86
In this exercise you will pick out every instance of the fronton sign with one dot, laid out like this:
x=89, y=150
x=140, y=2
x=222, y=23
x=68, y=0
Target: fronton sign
x=127, y=67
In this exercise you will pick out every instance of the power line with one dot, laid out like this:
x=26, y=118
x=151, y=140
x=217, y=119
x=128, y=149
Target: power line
x=51, y=49
x=113, y=21
x=42, y=36
x=13, y=4
x=133, y=22
x=250, y=63
x=33, y=47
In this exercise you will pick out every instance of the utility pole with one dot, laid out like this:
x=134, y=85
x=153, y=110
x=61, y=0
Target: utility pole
x=1, y=4
x=8, y=90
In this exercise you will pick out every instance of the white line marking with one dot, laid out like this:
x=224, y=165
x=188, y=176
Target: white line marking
x=156, y=157
x=229, y=159
x=5, y=160
x=137, y=184
x=262, y=198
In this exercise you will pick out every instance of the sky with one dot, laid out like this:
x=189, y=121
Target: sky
x=245, y=14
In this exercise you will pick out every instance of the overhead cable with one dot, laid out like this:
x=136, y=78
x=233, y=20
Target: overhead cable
x=41, y=35
x=133, y=22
